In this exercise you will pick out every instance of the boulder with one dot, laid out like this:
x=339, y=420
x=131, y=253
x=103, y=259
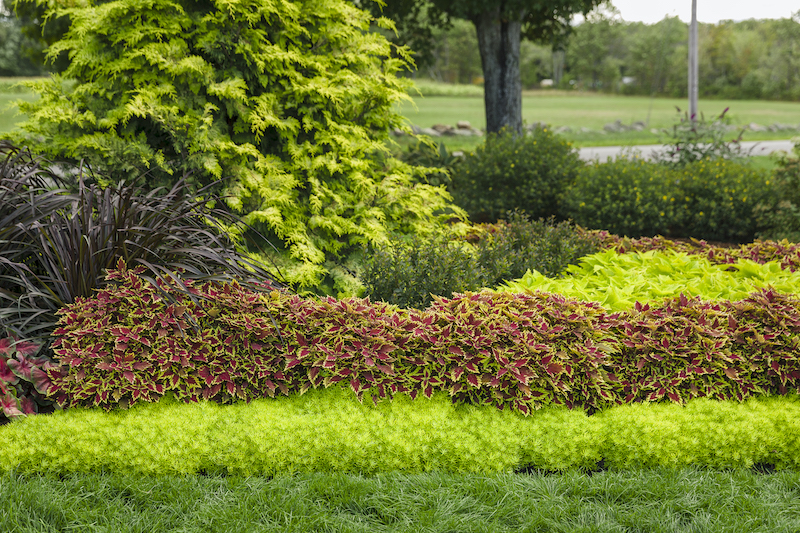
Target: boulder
x=463, y=125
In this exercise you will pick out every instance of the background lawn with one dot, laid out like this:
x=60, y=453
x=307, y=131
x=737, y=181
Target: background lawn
x=593, y=111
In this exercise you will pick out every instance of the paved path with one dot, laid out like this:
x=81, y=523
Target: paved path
x=604, y=152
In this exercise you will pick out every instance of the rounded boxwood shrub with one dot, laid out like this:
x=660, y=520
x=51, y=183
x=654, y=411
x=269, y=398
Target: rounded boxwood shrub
x=511, y=171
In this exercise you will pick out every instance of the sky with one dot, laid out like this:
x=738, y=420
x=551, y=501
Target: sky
x=651, y=11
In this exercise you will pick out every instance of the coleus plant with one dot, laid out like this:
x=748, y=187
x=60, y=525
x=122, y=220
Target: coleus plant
x=24, y=384
x=785, y=252
x=129, y=344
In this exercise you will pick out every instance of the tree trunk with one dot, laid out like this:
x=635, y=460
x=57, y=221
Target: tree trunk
x=499, y=42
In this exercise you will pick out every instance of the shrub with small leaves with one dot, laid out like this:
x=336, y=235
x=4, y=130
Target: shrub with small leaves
x=410, y=272
x=780, y=218
x=513, y=246
x=707, y=199
x=512, y=171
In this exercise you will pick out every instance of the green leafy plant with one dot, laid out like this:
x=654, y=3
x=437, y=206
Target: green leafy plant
x=517, y=244
x=618, y=281
x=706, y=199
x=512, y=171
x=785, y=253
x=780, y=218
x=695, y=139
x=56, y=245
x=290, y=101
x=410, y=272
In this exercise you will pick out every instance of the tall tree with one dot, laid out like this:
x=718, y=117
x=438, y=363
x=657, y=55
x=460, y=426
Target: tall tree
x=501, y=25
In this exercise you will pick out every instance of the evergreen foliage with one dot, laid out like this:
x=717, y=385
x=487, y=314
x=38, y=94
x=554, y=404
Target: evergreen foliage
x=289, y=102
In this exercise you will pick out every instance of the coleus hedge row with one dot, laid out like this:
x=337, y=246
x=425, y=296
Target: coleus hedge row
x=509, y=350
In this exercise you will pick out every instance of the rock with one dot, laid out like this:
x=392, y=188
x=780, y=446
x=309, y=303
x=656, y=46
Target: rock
x=586, y=130
x=442, y=128
x=430, y=132
x=562, y=129
x=397, y=132
x=460, y=132
x=756, y=127
x=416, y=130
x=655, y=131
x=463, y=125
x=614, y=127
x=638, y=126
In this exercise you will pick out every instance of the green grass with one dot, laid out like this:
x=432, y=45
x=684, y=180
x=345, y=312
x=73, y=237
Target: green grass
x=631, y=501
x=593, y=111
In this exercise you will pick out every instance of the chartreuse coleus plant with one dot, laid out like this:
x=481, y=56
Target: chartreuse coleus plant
x=290, y=102
x=329, y=431
x=786, y=253
x=618, y=281
x=24, y=384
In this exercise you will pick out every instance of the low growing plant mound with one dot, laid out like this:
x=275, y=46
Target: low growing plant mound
x=786, y=253
x=328, y=431
x=517, y=351
x=618, y=281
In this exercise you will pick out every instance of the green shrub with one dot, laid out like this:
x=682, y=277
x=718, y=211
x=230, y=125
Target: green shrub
x=718, y=199
x=625, y=196
x=511, y=171
x=410, y=272
x=708, y=199
x=515, y=245
x=290, y=102
x=780, y=219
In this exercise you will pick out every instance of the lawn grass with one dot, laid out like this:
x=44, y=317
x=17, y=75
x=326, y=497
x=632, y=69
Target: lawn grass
x=592, y=110
x=627, y=501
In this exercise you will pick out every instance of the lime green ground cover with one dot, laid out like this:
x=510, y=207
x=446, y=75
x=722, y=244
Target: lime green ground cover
x=330, y=431
x=618, y=281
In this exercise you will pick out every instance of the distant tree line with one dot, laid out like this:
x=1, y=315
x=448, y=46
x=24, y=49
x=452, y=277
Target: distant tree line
x=20, y=55
x=752, y=59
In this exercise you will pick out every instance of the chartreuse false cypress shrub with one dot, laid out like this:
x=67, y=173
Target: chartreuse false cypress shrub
x=286, y=105
x=512, y=171
x=707, y=199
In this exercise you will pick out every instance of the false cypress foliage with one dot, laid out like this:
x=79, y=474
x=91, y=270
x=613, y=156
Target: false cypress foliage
x=521, y=351
x=290, y=101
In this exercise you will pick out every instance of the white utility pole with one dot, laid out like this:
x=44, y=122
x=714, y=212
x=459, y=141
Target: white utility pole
x=693, y=67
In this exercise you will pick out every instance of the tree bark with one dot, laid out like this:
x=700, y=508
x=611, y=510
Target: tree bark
x=499, y=41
